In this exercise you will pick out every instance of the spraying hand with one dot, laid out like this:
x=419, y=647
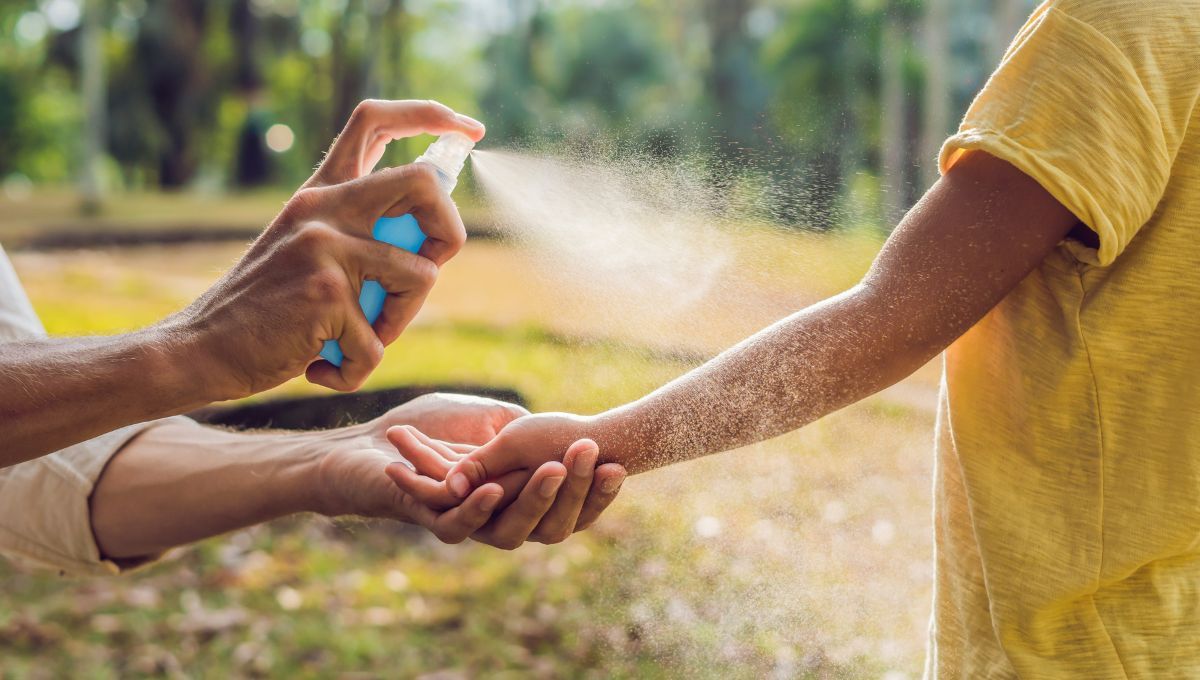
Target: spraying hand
x=298, y=285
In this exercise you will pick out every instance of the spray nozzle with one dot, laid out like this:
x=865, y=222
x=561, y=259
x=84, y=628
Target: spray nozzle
x=448, y=154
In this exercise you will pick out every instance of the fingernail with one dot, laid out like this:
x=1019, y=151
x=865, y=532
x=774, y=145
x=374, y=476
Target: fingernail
x=550, y=486
x=469, y=120
x=489, y=503
x=585, y=463
x=459, y=484
x=611, y=484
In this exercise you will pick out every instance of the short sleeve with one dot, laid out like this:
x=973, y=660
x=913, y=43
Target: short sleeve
x=1069, y=109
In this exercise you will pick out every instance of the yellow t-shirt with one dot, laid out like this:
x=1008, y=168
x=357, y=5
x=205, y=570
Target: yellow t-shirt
x=1067, y=486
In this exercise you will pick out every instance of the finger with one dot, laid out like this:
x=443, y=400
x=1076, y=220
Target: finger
x=424, y=490
x=444, y=449
x=375, y=123
x=458, y=523
x=405, y=276
x=396, y=269
x=362, y=351
x=606, y=484
x=513, y=525
x=475, y=511
x=488, y=461
x=412, y=189
x=415, y=447
x=559, y=523
x=461, y=450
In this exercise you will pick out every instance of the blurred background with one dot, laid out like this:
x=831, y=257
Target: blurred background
x=144, y=143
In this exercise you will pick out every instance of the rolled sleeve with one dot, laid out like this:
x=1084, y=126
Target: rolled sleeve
x=1069, y=107
x=45, y=518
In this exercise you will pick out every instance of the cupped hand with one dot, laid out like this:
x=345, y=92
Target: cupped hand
x=549, y=501
x=523, y=444
x=265, y=320
x=351, y=479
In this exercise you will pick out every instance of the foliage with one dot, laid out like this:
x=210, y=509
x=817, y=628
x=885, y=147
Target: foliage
x=786, y=88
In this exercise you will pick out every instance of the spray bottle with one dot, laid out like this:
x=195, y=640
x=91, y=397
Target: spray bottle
x=447, y=155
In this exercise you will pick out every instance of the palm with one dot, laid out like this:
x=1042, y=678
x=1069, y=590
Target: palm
x=352, y=477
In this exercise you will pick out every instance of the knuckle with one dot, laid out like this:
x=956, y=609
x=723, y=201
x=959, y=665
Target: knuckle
x=372, y=358
x=457, y=238
x=314, y=237
x=325, y=286
x=423, y=177
x=364, y=111
x=306, y=201
x=425, y=272
x=437, y=110
x=353, y=384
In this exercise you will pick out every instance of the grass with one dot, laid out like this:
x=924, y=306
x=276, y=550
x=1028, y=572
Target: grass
x=807, y=556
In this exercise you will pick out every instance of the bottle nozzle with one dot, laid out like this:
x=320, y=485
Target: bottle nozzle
x=448, y=154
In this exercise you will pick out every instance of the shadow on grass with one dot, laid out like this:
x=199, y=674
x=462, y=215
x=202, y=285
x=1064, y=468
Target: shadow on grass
x=335, y=410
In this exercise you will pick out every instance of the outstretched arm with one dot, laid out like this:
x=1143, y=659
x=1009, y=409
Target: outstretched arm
x=181, y=482
x=973, y=237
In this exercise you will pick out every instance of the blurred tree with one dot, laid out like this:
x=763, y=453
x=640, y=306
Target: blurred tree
x=892, y=110
x=734, y=86
x=825, y=64
x=91, y=59
x=936, y=119
x=816, y=98
x=253, y=160
x=169, y=54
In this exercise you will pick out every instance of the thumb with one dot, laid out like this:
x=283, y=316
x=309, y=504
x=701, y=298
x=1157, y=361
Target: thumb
x=489, y=461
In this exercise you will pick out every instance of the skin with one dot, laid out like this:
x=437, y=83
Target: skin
x=970, y=240
x=181, y=482
x=265, y=320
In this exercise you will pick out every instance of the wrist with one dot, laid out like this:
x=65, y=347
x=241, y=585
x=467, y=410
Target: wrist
x=178, y=380
x=331, y=467
x=297, y=483
x=622, y=437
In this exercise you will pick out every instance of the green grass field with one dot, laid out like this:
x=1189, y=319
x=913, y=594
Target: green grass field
x=807, y=556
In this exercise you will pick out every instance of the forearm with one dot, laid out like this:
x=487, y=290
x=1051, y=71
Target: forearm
x=790, y=374
x=182, y=482
x=973, y=238
x=60, y=391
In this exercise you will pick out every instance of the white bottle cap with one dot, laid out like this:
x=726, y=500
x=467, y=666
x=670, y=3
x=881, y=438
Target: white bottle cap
x=448, y=154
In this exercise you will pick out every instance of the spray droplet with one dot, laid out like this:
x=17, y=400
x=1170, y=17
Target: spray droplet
x=883, y=532
x=708, y=527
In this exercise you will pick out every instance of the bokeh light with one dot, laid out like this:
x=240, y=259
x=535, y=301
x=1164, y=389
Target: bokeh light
x=280, y=138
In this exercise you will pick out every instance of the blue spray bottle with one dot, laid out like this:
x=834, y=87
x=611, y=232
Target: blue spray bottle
x=447, y=154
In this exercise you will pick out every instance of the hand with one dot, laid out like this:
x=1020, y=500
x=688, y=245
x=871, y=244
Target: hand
x=523, y=444
x=537, y=514
x=351, y=481
x=459, y=418
x=265, y=321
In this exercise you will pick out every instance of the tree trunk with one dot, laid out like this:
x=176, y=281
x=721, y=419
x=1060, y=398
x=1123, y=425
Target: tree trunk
x=726, y=19
x=936, y=123
x=892, y=111
x=91, y=64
